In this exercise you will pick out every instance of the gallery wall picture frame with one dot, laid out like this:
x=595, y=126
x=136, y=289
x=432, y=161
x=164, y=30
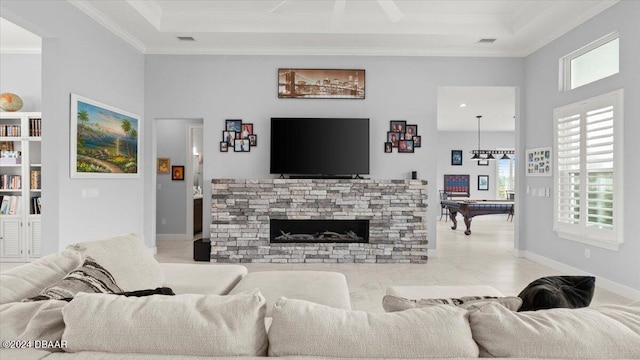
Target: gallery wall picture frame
x=456, y=157
x=393, y=138
x=224, y=146
x=411, y=131
x=106, y=142
x=417, y=141
x=388, y=147
x=483, y=162
x=164, y=165
x=242, y=145
x=483, y=182
x=253, y=140
x=539, y=162
x=304, y=83
x=398, y=126
x=234, y=125
x=177, y=172
x=405, y=146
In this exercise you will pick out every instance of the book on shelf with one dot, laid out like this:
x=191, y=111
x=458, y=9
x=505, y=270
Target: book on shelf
x=10, y=205
x=35, y=127
x=10, y=182
x=10, y=130
x=36, y=179
x=36, y=205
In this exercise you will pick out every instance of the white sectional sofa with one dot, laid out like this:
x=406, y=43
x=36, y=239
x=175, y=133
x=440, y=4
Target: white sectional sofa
x=220, y=311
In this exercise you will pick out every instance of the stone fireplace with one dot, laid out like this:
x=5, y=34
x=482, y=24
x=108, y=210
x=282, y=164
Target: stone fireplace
x=319, y=221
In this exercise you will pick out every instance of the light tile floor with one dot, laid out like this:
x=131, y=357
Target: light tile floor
x=484, y=258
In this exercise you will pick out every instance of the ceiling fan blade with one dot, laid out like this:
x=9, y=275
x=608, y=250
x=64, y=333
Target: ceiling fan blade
x=391, y=9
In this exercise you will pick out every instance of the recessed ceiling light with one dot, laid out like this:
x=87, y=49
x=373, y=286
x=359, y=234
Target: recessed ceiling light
x=186, y=38
x=463, y=105
x=487, y=41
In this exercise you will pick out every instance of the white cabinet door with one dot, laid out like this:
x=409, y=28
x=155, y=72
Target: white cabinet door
x=35, y=234
x=11, y=239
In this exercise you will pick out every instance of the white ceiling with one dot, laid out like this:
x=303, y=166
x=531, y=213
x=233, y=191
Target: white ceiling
x=496, y=105
x=342, y=27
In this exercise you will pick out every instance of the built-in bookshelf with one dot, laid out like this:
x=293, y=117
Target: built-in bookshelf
x=20, y=185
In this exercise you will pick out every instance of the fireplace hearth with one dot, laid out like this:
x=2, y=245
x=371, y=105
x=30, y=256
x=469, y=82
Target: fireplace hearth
x=319, y=231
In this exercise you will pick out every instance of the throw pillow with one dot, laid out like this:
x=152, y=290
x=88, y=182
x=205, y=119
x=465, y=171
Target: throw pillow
x=558, y=292
x=599, y=332
x=392, y=303
x=30, y=279
x=91, y=277
x=301, y=328
x=188, y=324
x=127, y=258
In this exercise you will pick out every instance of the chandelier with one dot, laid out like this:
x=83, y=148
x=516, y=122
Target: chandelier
x=488, y=154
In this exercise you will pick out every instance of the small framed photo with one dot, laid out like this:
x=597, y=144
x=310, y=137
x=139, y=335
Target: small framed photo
x=164, y=165
x=483, y=162
x=456, y=157
x=177, y=172
x=483, y=182
x=242, y=145
x=417, y=141
x=253, y=140
x=388, y=147
x=229, y=137
x=247, y=129
x=405, y=146
x=233, y=125
x=393, y=138
x=398, y=126
x=411, y=131
x=224, y=146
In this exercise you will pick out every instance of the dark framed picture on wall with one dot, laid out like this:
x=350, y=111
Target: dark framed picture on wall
x=388, y=147
x=393, y=138
x=224, y=146
x=483, y=182
x=417, y=141
x=177, y=172
x=242, y=145
x=253, y=140
x=456, y=157
x=410, y=132
x=483, y=162
x=233, y=125
x=405, y=146
x=398, y=126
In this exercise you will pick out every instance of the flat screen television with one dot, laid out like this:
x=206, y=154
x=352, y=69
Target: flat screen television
x=319, y=146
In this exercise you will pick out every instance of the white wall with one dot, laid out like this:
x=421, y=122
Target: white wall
x=21, y=74
x=216, y=88
x=467, y=141
x=82, y=57
x=542, y=96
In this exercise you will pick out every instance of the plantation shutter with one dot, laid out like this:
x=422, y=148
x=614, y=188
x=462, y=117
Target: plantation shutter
x=568, y=178
x=588, y=147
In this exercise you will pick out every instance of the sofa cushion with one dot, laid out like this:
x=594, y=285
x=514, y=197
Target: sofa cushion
x=31, y=321
x=321, y=287
x=302, y=328
x=127, y=258
x=558, y=292
x=392, y=303
x=30, y=279
x=604, y=332
x=91, y=277
x=189, y=324
x=205, y=279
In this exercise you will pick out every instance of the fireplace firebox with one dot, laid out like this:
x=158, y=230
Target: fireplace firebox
x=319, y=231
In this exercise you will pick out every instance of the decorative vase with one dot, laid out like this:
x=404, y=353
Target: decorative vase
x=10, y=102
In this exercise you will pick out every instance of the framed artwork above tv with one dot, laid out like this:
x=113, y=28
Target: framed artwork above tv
x=321, y=83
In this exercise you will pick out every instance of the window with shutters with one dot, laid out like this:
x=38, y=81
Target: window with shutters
x=588, y=177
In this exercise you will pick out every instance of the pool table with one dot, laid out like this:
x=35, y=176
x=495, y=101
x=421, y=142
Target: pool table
x=471, y=208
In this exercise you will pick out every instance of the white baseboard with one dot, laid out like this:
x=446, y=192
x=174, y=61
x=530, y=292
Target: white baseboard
x=614, y=287
x=432, y=253
x=176, y=237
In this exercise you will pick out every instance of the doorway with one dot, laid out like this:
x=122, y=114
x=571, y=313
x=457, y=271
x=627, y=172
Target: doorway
x=178, y=144
x=460, y=130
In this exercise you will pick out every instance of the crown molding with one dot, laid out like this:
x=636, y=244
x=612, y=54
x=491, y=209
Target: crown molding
x=101, y=19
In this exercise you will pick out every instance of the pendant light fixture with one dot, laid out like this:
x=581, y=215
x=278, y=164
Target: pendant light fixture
x=488, y=154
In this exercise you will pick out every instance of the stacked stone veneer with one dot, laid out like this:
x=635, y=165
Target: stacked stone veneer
x=396, y=210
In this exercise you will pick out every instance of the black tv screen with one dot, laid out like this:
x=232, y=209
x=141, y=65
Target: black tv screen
x=319, y=146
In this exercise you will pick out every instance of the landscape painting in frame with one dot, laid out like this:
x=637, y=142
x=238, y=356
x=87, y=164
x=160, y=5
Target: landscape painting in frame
x=321, y=83
x=105, y=141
